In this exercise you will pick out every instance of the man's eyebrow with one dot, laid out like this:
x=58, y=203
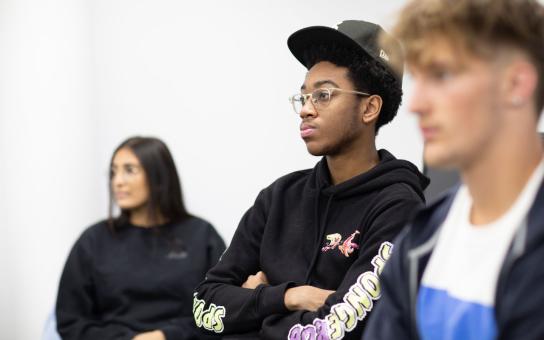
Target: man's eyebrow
x=320, y=83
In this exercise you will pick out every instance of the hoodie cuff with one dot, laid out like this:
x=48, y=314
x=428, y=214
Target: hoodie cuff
x=271, y=299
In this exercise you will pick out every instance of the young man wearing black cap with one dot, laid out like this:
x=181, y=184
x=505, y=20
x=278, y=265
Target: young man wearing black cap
x=305, y=259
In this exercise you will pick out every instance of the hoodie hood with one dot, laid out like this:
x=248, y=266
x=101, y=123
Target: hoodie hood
x=388, y=171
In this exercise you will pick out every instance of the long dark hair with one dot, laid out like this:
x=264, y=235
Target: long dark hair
x=165, y=195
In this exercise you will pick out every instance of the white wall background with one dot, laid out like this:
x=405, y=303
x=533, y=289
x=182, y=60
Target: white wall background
x=211, y=78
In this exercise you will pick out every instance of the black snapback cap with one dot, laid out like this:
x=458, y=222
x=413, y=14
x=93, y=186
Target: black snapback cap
x=360, y=35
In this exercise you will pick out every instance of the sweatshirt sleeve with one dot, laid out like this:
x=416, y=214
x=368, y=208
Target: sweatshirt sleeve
x=344, y=314
x=216, y=247
x=220, y=304
x=184, y=327
x=75, y=308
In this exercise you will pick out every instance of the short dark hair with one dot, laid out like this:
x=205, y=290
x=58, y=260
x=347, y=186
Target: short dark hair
x=367, y=75
x=165, y=195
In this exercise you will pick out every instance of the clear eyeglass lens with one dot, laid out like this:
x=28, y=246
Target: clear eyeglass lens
x=298, y=102
x=321, y=96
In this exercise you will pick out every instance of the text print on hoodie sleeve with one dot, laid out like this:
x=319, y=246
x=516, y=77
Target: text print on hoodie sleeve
x=356, y=303
x=220, y=304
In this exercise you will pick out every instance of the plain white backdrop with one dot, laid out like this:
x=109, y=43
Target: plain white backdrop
x=211, y=78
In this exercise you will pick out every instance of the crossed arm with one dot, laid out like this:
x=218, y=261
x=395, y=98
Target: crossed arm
x=297, y=298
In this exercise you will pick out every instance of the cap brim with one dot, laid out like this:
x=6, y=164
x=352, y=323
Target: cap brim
x=304, y=38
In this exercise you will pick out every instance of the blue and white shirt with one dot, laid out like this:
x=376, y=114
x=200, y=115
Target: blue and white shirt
x=457, y=295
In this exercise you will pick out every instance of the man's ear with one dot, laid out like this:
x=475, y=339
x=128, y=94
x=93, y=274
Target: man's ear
x=370, y=109
x=522, y=79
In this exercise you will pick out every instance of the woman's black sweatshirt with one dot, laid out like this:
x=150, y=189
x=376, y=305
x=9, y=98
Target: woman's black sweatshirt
x=302, y=230
x=116, y=285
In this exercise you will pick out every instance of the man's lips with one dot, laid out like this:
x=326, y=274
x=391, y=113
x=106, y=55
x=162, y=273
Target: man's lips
x=428, y=132
x=306, y=130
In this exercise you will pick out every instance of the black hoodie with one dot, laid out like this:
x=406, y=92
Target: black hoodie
x=302, y=230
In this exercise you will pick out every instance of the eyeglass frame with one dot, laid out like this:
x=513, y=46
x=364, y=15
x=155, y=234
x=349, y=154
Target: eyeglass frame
x=330, y=90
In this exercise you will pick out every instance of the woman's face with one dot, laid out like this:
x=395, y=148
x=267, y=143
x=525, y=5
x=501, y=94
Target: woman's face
x=128, y=181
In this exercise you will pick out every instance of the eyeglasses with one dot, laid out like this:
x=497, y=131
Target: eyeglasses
x=319, y=98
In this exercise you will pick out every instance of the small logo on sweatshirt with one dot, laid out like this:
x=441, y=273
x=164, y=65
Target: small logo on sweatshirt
x=346, y=247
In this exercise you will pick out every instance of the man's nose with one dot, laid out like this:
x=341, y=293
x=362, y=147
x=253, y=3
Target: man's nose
x=308, y=109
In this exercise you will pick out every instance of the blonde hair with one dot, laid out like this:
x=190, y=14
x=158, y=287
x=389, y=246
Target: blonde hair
x=475, y=26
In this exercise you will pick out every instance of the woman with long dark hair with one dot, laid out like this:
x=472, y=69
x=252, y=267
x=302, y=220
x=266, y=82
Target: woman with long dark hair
x=132, y=276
